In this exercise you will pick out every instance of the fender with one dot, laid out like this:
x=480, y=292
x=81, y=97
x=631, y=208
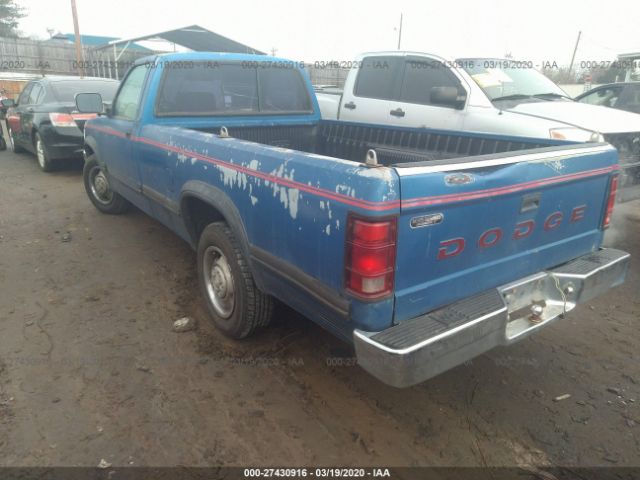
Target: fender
x=219, y=200
x=90, y=141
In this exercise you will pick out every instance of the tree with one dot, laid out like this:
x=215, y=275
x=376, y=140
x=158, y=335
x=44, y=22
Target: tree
x=10, y=13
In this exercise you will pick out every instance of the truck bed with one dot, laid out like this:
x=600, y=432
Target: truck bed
x=394, y=146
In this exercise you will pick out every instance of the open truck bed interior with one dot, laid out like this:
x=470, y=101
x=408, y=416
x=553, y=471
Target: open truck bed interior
x=393, y=145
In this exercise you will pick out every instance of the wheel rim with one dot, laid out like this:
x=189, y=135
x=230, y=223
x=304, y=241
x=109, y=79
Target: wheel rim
x=100, y=188
x=11, y=144
x=218, y=281
x=40, y=153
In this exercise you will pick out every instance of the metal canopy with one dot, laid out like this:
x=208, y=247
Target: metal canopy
x=194, y=38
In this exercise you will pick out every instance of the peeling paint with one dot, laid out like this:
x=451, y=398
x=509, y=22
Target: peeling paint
x=254, y=164
x=294, y=196
x=345, y=190
x=556, y=165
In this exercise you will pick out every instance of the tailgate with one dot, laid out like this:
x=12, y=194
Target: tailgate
x=469, y=225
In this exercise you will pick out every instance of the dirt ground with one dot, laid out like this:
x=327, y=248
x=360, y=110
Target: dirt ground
x=90, y=368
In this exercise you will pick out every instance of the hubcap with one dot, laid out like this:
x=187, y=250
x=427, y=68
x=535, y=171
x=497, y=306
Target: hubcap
x=100, y=187
x=219, y=282
x=40, y=153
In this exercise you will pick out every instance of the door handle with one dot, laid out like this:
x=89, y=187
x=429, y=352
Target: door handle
x=127, y=134
x=30, y=110
x=398, y=112
x=350, y=106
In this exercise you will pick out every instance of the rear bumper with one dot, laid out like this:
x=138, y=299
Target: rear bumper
x=426, y=346
x=62, y=143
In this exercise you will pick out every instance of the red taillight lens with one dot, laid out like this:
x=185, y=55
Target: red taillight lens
x=611, y=202
x=62, y=120
x=370, y=256
x=69, y=120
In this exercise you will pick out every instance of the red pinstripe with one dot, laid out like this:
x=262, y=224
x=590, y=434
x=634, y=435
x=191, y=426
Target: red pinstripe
x=366, y=204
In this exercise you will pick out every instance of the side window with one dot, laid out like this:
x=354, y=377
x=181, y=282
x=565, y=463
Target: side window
x=421, y=77
x=604, y=97
x=36, y=94
x=629, y=97
x=128, y=100
x=23, y=99
x=378, y=78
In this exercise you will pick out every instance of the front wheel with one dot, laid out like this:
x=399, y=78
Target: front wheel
x=236, y=305
x=97, y=186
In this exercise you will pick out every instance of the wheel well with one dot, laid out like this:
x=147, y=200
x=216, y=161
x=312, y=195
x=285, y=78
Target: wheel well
x=88, y=150
x=198, y=214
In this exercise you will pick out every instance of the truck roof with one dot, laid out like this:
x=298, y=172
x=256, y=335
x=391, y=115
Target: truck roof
x=215, y=56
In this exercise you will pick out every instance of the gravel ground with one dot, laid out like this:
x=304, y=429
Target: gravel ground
x=90, y=368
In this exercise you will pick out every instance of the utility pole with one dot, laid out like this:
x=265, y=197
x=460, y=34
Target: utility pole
x=575, y=49
x=76, y=31
x=400, y=32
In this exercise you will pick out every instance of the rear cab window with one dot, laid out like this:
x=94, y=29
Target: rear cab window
x=210, y=88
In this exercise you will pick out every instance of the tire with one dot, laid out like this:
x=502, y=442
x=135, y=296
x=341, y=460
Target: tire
x=236, y=305
x=12, y=143
x=100, y=193
x=44, y=160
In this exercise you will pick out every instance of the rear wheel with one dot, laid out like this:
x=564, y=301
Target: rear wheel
x=12, y=143
x=236, y=305
x=45, y=162
x=97, y=186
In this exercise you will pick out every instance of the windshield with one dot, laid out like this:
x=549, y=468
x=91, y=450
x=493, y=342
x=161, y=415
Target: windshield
x=65, y=91
x=510, y=79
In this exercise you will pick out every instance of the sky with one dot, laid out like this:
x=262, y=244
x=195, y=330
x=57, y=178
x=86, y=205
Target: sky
x=541, y=31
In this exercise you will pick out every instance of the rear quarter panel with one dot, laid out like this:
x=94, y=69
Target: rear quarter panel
x=293, y=205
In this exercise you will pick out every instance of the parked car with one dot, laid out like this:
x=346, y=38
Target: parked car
x=44, y=120
x=422, y=248
x=478, y=95
x=623, y=96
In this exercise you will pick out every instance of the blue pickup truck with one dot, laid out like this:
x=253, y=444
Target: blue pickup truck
x=422, y=248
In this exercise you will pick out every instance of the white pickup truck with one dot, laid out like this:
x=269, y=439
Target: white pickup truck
x=486, y=95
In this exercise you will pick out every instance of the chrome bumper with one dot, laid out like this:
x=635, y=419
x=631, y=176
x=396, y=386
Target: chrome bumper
x=423, y=347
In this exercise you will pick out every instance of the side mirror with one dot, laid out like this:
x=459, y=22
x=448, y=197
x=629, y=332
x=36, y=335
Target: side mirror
x=89, y=103
x=448, y=97
x=8, y=103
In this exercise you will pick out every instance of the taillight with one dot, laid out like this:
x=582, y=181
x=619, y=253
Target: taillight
x=69, y=119
x=611, y=201
x=62, y=120
x=370, y=256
